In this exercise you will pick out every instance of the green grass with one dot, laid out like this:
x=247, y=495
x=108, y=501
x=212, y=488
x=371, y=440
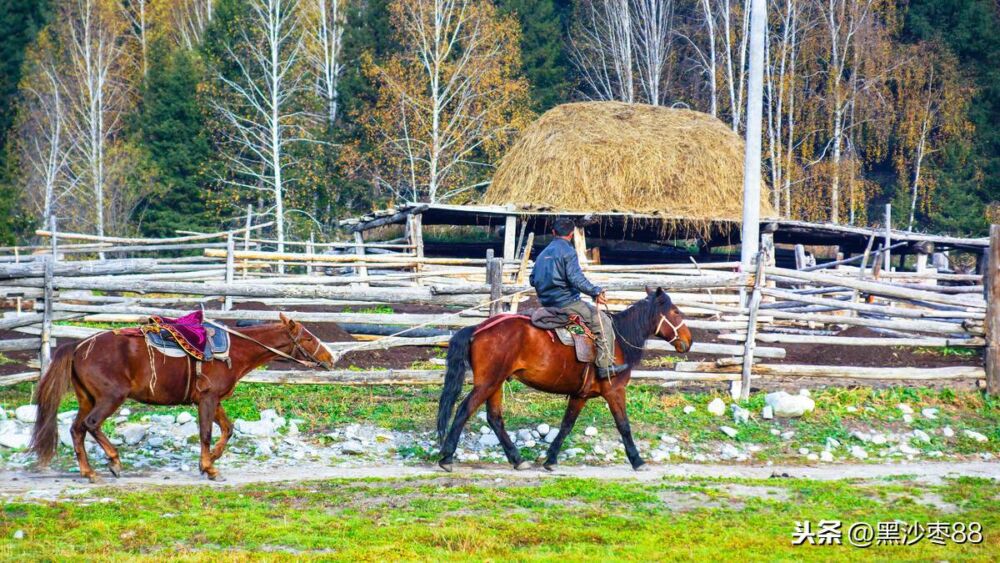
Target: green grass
x=653, y=411
x=446, y=518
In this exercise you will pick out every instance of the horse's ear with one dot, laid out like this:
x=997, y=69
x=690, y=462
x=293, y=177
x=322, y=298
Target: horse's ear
x=284, y=319
x=649, y=290
x=662, y=295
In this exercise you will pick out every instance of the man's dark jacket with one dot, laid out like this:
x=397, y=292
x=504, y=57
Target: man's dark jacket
x=557, y=277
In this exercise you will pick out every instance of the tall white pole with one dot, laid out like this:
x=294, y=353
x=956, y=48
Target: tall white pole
x=751, y=160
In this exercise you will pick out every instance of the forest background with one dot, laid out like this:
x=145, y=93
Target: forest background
x=148, y=116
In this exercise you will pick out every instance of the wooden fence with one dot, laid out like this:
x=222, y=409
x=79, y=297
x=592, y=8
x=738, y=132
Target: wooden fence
x=752, y=315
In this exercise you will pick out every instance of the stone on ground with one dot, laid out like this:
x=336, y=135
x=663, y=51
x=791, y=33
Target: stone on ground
x=740, y=414
x=26, y=413
x=689, y=409
x=859, y=452
x=767, y=413
x=590, y=431
x=728, y=431
x=975, y=435
x=785, y=405
x=717, y=407
x=132, y=433
x=947, y=432
x=543, y=429
x=551, y=435
x=184, y=418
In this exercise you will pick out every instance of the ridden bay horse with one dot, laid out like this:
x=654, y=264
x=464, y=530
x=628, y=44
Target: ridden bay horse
x=108, y=368
x=516, y=349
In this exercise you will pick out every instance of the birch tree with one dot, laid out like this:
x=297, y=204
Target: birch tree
x=184, y=20
x=326, y=20
x=260, y=103
x=450, y=101
x=601, y=48
x=653, y=44
x=99, y=93
x=138, y=16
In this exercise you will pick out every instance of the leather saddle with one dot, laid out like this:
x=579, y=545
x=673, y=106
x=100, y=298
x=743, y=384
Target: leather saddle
x=569, y=329
x=216, y=343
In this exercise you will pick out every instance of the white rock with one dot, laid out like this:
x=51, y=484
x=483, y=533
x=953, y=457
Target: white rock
x=254, y=427
x=775, y=432
x=278, y=421
x=189, y=429
x=14, y=440
x=489, y=440
x=268, y=414
x=922, y=436
x=590, y=431
x=851, y=408
x=803, y=451
x=859, y=452
x=975, y=435
x=155, y=442
x=125, y=412
x=728, y=431
x=787, y=435
x=689, y=409
x=121, y=419
x=19, y=535
x=717, y=407
x=573, y=452
x=551, y=435
x=598, y=450
x=785, y=405
x=863, y=436
x=67, y=416
x=907, y=418
x=904, y=408
x=481, y=416
x=879, y=439
x=826, y=456
x=132, y=433
x=485, y=429
x=162, y=418
x=543, y=429
x=26, y=413
x=947, y=432
x=805, y=393
x=832, y=443
x=728, y=451
x=263, y=449
x=812, y=457
x=740, y=414
x=184, y=418
x=668, y=439
x=530, y=443
x=908, y=449
x=353, y=447
x=3, y=414
x=767, y=413
x=929, y=413
x=524, y=434
x=293, y=429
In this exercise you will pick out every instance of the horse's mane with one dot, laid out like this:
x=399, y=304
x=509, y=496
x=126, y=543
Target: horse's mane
x=636, y=324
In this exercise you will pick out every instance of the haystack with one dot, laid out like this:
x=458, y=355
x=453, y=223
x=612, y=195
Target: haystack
x=616, y=157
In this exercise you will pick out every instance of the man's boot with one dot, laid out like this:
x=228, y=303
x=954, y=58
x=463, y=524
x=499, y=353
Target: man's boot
x=609, y=372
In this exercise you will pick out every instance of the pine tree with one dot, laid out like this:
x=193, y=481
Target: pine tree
x=543, y=56
x=171, y=126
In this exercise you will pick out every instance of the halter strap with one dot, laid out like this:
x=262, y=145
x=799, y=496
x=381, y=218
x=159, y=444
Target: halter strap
x=675, y=328
x=295, y=341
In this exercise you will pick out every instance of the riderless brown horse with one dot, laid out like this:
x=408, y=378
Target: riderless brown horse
x=516, y=349
x=108, y=368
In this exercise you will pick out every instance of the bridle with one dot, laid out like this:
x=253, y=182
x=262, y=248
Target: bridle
x=675, y=328
x=312, y=362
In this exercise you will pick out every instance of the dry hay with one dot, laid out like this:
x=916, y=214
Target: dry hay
x=601, y=157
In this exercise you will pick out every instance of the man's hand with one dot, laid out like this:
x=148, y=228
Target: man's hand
x=601, y=299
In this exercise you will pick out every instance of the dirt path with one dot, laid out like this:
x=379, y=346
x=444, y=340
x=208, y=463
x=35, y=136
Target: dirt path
x=50, y=484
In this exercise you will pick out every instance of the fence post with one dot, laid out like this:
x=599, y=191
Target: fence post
x=45, y=350
x=888, y=242
x=246, y=238
x=359, y=249
x=227, y=304
x=309, y=252
x=494, y=277
x=743, y=392
x=510, y=238
x=991, y=280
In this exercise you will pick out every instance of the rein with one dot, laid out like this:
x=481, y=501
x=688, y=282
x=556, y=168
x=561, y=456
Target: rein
x=664, y=319
x=275, y=351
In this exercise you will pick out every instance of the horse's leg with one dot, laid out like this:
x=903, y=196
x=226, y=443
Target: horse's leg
x=494, y=416
x=615, y=396
x=207, y=407
x=473, y=401
x=79, y=433
x=227, y=431
x=104, y=406
x=569, y=419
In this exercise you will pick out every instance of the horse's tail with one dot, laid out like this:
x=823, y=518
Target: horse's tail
x=51, y=388
x=458, y=363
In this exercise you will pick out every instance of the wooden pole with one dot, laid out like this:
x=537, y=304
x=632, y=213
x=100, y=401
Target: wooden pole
x=992, y=283
x=246, y=238
x=888, y=242
x=743, y=390
x=310, y=251
x=361, y=271
x=580, y=244
x=750, y=239
x=45, y=352
x=522, y=268
x=230, y=268
x=494, y=277
x=800, y=257
x=510, y=238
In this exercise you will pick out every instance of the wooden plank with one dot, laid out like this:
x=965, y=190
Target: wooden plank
x=748, y=344
x=928, y=342
x=15, y=378
x=230, y=269
x=992, y=277
x=45, y=349
x=20, y=344
x=870, y=308
x=135, y=240
x=510, y=238
x=845, y=372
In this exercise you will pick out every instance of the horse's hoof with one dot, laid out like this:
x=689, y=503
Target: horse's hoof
x=550, y=466
x=523, y=465
x=642, y=467
x=218, y=478
x=116, y=469
x=446, y=466
x=93, y=478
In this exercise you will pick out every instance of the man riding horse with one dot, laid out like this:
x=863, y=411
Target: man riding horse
x=558, y=280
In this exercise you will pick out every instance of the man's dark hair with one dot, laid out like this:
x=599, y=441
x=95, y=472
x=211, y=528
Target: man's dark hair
x=563, y=226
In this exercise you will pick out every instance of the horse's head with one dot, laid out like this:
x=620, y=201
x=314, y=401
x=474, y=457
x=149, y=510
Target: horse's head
x=670, y=324
x=306, y=346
